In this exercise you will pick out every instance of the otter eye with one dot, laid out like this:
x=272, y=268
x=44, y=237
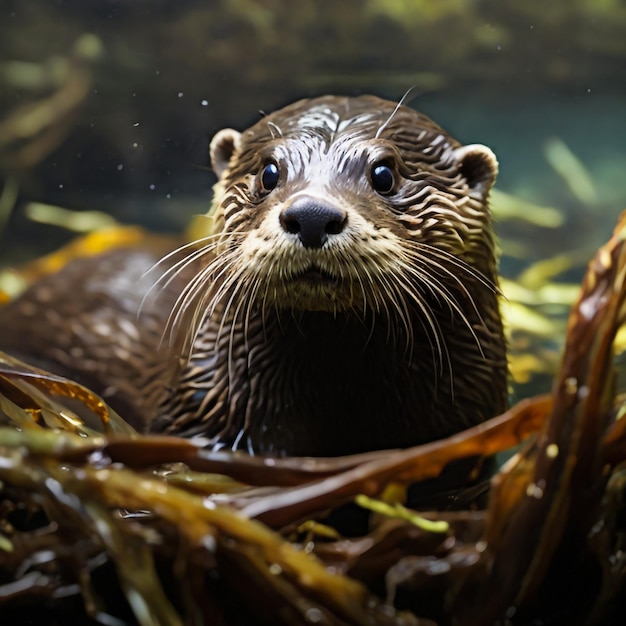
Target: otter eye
x=382, y=178
x=269, y=177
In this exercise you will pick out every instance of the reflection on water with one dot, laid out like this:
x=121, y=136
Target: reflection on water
x=108, y=107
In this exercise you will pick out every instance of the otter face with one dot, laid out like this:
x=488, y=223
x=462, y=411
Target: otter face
x=326, y=203
x=347, y=204
x=349, y=274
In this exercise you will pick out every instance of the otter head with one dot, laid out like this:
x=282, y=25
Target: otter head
x=340, y=204
x=350, y=275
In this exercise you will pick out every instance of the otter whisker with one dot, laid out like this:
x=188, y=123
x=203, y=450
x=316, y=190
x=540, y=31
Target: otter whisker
x=427, y=265
x=204, y=307
x=241, y=285
x=386, y=122
x=182, y=248
x=380, y=298
x=456, y=261
x=234, y=285
x=231, y=275
x=274, y=130
x=363, y=293
x=174, y=270
x=373, y=291
x=438, y=289
x=440, y=353
x=366, y=306
x=429, y=322
x=194, y=292
x=263, y=305
x=184, y=301
x=200, y=247
x=192, y=289
x=179, y=267
x=252, y=294
x=425, y=262
x=391, y=309
x=400, y=309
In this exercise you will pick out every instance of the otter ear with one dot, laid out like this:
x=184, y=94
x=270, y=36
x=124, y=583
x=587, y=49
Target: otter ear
x=223, y=146
x=479, y=166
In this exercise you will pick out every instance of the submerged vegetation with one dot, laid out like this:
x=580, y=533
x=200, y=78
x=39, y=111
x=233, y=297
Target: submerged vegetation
x=99, y=523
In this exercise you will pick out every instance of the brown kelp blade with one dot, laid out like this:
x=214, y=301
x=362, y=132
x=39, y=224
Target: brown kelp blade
x=556, y=484
x=30, y=396
x=183, y=534
x=84, y=481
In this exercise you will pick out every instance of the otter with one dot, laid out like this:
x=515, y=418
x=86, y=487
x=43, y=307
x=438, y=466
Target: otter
x=345, y=298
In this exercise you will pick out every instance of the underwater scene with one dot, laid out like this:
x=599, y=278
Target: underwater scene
x=150, y=471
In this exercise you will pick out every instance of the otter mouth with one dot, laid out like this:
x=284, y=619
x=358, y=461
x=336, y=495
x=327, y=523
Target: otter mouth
x=314, y=275
x=313, y=289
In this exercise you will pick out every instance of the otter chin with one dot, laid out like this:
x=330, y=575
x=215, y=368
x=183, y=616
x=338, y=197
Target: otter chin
x=345, y=298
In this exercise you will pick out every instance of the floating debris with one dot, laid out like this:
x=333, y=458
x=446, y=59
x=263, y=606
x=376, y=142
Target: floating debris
x=573, y=171
x=506, y=206
x=75, y=221
x=34, y=129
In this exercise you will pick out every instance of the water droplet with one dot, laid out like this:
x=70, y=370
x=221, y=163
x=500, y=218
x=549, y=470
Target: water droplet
x=313, y=615
x=120, y=167
x=152, y=187
x=180, y=94
x=204, y=103
x=534, y=491
x=209, y=543
x=436, y=568
x=552, y=451
x=571, y=385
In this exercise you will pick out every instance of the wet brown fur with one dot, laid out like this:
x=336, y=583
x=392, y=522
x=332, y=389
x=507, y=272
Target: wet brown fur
x=386, y=336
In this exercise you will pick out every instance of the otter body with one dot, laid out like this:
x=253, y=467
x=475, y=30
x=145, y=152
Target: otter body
x=345, y=300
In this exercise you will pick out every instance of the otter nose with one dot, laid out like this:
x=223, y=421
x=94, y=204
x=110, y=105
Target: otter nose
x=312, y=221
